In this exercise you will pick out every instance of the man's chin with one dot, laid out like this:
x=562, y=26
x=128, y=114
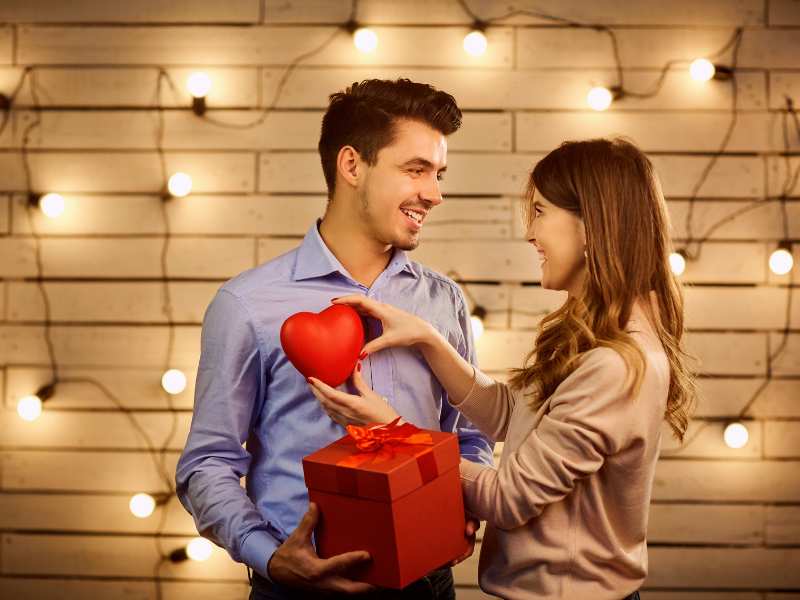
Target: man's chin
x=408, y=245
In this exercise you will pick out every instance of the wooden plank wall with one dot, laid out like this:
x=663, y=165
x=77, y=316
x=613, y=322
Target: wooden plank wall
x=725, y=524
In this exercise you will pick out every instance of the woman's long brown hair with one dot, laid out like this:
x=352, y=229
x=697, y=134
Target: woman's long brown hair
x=612, y=186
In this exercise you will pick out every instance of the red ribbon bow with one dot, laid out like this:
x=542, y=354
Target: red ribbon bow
x=381, y=443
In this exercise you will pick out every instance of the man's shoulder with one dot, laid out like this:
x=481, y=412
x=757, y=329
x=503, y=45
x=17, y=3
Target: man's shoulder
x=434, y=279
x=266, y=276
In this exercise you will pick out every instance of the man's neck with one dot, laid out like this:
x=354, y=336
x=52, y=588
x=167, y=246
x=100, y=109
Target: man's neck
x=363, y=257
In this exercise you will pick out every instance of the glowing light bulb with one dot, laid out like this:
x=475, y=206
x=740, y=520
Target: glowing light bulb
x=701, y=70
x=198, y=84
x=736, y=435
x=781, y=261
x=599, y=98
x=52, y=205
x=477, y=327
x=365, y=40
x=475, y=43
x=173, y=381
x=179, y=185
x=29, y=408
x=142, y=505
x=199, y=549
x=677, y=262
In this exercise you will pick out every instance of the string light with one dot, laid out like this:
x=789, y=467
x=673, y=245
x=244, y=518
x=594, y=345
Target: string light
x=600, y=98
x=173, y=381
x=29, y=408
x=736, y=435
x=179, y=185
x=701, y=69
x=142, y=505
x=198, y=549
x=677, y=262
x=198, y=84
x=52, y=204
x=475, y=42
x=365, y=40
x=781, y=260
x=477, y=321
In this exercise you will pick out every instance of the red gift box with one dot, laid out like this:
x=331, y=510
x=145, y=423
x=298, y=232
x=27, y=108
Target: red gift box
x=393, y=491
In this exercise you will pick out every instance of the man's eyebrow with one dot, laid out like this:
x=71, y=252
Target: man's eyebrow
x=422, y=162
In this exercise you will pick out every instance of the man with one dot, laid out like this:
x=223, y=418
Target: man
x=383, y=149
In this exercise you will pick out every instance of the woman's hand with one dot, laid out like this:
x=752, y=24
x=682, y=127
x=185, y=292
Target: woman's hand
x=347, y=409
x=399, y=327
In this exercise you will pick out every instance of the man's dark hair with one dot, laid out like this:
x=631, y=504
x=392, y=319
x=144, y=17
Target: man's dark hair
x=364, y=117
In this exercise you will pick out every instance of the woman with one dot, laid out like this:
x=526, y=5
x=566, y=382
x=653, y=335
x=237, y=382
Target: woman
x=567, y=507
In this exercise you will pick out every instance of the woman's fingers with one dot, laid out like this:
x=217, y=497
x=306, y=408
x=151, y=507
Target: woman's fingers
x=358, y=381
x=362, y=304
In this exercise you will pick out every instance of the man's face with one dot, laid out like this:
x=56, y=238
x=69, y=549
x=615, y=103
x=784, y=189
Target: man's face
x=402, y=187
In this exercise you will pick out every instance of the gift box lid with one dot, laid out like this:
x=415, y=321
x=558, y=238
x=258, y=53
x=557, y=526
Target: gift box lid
x=387, y=471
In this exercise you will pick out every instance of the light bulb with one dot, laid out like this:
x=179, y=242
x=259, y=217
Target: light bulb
x=677, y=262
x=173, y=381
x=365, y=40
x=142, y=505
x=599, y=98
x=701, y=70
x=198, y=84
x=475, y=43
x=736, y=435
x=29, y=408
x=477, y=327
x=179, y=185
x=52, y=205
x=781, y=261
x=199, y=549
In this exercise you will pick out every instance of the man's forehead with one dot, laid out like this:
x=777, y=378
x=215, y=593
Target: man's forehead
x=415, y=140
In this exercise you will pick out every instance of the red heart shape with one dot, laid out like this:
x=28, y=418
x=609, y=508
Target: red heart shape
x=324, y=345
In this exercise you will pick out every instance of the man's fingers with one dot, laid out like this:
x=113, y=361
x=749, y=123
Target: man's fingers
x=308, y=522
x=343, y=562
x=348, y=586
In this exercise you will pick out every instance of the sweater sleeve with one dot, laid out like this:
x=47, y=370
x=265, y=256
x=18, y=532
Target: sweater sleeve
x=591, y=416
x=488, y=405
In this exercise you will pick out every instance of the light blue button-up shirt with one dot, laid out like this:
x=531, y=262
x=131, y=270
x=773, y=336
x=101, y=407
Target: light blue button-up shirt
x=248, y=392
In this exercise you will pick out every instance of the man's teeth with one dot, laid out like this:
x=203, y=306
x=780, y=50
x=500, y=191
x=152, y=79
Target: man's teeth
x=416, y=217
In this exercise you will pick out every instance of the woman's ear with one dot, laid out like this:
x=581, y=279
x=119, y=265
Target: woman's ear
x=582, y=232
x=349, y=165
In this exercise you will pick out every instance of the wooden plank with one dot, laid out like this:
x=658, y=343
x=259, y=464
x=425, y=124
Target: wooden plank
x=616, y=12
x=729, y=353
x=781, y=175
x=732, y=308
x=728, y=397
x=727, y=480
x=94, y=431
x=723, y=262
x=5, y=214
x=781, y=439
x=529, y=304
x=17, y=257
x=727, y=568
x=529, y=89
x=87, y=513
x=74, y=471
x=30, y=588
x=119, y=11
x=133, y=86
x=95, y=302
x=110, y=556
x=783, y=12
x=774, y=48
x=782, y=525
x=783, y=84
x=704, y=439
x=706, y=524
x=762, y=221
x=6, y=45
x=94, y=346
x=652, y=132
x=124, y=258
x=481, y=260
x=788, y=361
x=253, y=45
x=132, y=388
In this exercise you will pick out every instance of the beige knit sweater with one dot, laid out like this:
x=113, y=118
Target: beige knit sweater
x=567, y=507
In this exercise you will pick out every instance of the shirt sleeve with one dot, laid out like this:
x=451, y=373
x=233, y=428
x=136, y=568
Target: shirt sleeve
x=591, y=416
x=474, y=445
x=227, y=396
x=489, y=405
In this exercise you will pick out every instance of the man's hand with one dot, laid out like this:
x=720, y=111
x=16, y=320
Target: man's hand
x=295, y=563
x=470, y=531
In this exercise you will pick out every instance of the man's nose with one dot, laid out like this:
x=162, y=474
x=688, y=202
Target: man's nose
x=432, y=192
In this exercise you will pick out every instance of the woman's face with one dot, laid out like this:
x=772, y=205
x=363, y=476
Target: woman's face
x=560, y=238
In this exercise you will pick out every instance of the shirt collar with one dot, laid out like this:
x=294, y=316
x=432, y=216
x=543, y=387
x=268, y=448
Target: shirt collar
x=314, y=259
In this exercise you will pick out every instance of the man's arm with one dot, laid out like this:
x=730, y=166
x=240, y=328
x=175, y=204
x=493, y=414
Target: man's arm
x=227, y=394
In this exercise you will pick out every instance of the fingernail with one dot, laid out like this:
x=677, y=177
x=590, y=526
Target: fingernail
x=335, y=299
x=362, y=356
x=358, y=367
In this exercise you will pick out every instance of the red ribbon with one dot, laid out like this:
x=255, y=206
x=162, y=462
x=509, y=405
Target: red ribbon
x=379, y=444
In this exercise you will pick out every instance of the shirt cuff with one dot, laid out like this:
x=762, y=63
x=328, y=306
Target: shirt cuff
x=481, y=384
x=257, y=548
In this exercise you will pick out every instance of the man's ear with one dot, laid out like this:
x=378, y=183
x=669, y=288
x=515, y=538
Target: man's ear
x=349, y=165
